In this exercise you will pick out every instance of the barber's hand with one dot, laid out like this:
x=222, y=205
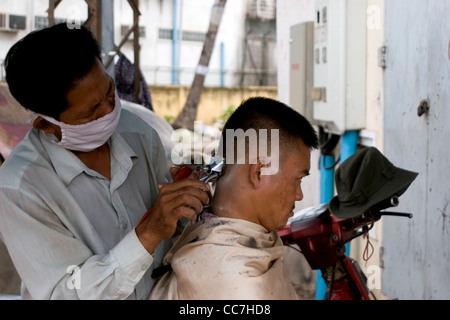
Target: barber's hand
x=176, y=200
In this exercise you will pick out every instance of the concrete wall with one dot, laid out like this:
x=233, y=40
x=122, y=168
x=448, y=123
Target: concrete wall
x=169, y=100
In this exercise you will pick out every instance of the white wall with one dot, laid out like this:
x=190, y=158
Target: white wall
x=417, y=251
x=289, y=12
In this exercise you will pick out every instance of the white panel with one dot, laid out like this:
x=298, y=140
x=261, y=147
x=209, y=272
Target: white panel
x=340, y=64
x=417, y=251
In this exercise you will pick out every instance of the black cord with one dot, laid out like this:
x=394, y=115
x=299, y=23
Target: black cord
x=292, y=247
x=333, y=165
x=327, y=141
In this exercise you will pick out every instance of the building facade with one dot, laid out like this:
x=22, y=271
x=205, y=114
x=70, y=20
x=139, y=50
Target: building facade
x=172, y=33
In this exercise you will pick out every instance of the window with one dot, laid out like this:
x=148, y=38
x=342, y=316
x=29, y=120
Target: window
x=17, y=22
x=165, y=34
x=125, y=28
x=41, y=22
x=186, y=35
x=194, y=36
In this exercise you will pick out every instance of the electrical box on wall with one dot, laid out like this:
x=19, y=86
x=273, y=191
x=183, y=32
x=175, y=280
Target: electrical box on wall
x=339, y=90
x=302, y=68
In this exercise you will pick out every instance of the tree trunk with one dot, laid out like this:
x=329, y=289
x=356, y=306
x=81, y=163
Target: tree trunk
x=189, y=113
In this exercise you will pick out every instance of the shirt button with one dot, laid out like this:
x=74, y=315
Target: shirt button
x=124, y=226
x=144, y=267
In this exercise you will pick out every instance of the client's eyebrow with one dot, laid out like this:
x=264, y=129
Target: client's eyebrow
x=87, y=113
x=111, y=86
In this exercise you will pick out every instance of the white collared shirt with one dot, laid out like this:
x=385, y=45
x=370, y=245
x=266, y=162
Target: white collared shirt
x=57, y=216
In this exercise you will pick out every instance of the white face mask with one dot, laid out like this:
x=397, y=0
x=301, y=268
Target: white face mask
x=89, y=136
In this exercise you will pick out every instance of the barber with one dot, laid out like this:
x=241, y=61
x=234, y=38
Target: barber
x=73, y=191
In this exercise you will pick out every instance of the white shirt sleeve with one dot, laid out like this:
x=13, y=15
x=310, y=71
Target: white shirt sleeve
x=54, y=264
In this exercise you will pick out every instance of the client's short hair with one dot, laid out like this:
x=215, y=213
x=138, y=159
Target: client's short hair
x=264, y=113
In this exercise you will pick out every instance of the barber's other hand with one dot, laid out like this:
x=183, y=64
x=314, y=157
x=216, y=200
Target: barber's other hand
x=176, y=200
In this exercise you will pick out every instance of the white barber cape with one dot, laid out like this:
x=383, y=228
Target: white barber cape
x=222, y=258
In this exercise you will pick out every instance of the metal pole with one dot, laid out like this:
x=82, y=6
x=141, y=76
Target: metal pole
x=175, y=43
x=222, y=64
x=108, y=33
x=137, y=49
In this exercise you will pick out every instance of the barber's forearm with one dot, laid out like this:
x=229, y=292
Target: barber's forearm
x=112, y=276
x=148, y=239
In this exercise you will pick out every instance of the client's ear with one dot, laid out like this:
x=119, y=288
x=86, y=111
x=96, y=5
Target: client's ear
x=255, y=173
x=41, y=124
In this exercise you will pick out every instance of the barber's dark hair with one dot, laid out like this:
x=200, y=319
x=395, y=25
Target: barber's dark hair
x=265, y=113
x=42, y=67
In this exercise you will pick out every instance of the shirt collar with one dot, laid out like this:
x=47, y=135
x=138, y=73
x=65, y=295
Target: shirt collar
x=123, y=158
x=67, y=165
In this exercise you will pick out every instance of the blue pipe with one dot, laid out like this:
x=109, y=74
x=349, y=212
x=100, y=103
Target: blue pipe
x=175, y=43
x=326, y=193
x=349, y=144
x=326, y=178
